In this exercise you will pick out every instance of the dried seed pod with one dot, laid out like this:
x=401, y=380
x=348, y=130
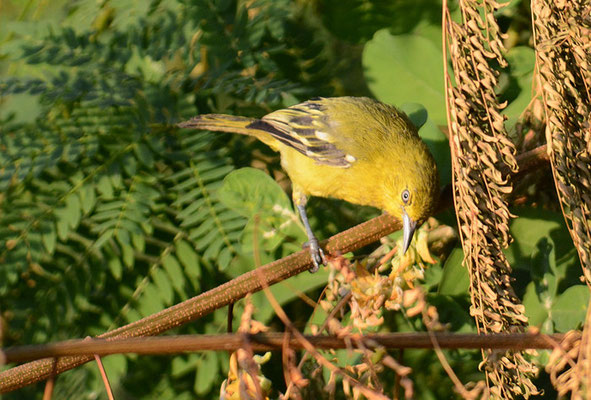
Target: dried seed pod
x=563, y=50
x=481, y=156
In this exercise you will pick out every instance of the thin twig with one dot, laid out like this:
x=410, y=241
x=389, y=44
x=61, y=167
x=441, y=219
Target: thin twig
x=269, y=341
x=104, y=376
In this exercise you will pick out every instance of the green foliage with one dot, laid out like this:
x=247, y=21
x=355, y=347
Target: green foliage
x=516, y=84
x=434, y=138
x=554, y=299
x=454, y=280
x=271, y=219
x=401, y=69
x=360, y=19
x=273, y=231
x=108, y=213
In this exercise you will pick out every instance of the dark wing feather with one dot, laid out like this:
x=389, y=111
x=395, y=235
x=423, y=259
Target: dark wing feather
x=305, y=127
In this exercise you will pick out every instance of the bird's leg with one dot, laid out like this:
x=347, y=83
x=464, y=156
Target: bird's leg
x=316, y=252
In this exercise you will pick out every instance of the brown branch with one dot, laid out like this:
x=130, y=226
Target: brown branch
x=229, y=292
x=532, y=160
x=273, y=341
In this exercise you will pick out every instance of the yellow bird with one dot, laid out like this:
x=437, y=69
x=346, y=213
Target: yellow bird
x=350, y=148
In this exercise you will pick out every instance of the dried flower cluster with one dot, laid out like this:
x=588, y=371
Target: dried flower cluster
x=480, y=151
x=390, y=286
x=562, y=31
x=245, y=380
x=372, y=292
x=563, y=51
x=563, y=367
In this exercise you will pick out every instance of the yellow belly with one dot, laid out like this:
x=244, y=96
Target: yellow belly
x=357, y=184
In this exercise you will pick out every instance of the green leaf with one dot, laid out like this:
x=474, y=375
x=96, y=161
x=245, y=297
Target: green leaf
x=543, y=250
x=454, y=310
x=188, y=258
x=116, y=268
x=433, y=137
x=544, y=270
x=126, y=248
x=358, y=20
x=144, y=155
x=174, y=271
x=68, y=217
x=35, y=248
x=49, y=237
x=255, y=195
x=105, y=188
x=108, y=234
x=150, y=301
x=139, y=241
x=522, y=62
x=207, y=370
x=165, y=290
x=406, y=68
x=224, y=258
x=130, y=165
x=87, y=198
x=416, y=112
x=532, y=225
x=115, y=176
x=116, y=367
x=63, y=229
x=286, y=292
x=249, y=190
x=270, y=230
x=184, y=364
x=152, y=71
x=569, y=310
x=455, y=280
x=204, y=242
x=536, y=311
x=214, y=248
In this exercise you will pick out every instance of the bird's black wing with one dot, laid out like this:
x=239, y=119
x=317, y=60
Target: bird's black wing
x=307, y=128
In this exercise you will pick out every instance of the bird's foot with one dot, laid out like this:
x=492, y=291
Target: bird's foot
x=316, y=253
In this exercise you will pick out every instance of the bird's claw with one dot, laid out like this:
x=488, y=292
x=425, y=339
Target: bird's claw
x=316, y=253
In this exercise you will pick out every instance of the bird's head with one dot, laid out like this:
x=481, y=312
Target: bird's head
x=414, y=192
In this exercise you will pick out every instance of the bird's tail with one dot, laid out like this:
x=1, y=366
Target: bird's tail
x=233, y=124
x=221, y=123
x=228, y=123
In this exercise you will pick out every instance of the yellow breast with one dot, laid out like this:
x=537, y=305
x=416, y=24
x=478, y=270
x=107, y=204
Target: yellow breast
x=359, y=184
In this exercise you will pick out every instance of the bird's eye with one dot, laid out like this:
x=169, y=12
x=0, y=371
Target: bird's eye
x=405, y=196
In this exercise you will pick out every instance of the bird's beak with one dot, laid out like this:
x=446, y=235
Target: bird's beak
x=409, y=227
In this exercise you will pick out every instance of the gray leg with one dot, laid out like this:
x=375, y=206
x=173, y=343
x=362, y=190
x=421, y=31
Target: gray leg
x=315, y=251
